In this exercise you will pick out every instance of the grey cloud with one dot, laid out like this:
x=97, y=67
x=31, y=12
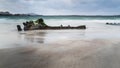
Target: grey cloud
x=61, y=6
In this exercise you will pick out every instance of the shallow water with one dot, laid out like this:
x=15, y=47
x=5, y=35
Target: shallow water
x=96, y=29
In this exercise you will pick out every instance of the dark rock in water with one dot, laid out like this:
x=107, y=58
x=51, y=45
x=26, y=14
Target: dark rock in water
x=19, y=28
x=113, y=23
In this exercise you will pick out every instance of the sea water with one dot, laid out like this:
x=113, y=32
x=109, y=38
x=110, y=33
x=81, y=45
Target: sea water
x=96, y=29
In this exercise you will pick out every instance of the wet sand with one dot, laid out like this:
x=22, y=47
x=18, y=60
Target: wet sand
x=93, y=53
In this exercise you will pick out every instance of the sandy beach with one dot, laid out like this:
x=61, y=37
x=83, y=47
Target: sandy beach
x=95, y=47
x=92, y=53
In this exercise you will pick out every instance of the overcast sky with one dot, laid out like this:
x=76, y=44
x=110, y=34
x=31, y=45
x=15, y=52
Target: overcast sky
x=62, y=7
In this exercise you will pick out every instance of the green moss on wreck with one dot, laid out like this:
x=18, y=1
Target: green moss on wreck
x=41, y=23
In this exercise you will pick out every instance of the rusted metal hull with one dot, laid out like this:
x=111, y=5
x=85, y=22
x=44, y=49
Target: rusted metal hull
x=56, y=28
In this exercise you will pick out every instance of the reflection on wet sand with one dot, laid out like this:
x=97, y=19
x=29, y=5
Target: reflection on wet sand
x=51, y=36
x=35, y=37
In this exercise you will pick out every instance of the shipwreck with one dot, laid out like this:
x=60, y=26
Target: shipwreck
x=40, y=25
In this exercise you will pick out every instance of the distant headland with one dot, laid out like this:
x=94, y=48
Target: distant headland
x=6, y=13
